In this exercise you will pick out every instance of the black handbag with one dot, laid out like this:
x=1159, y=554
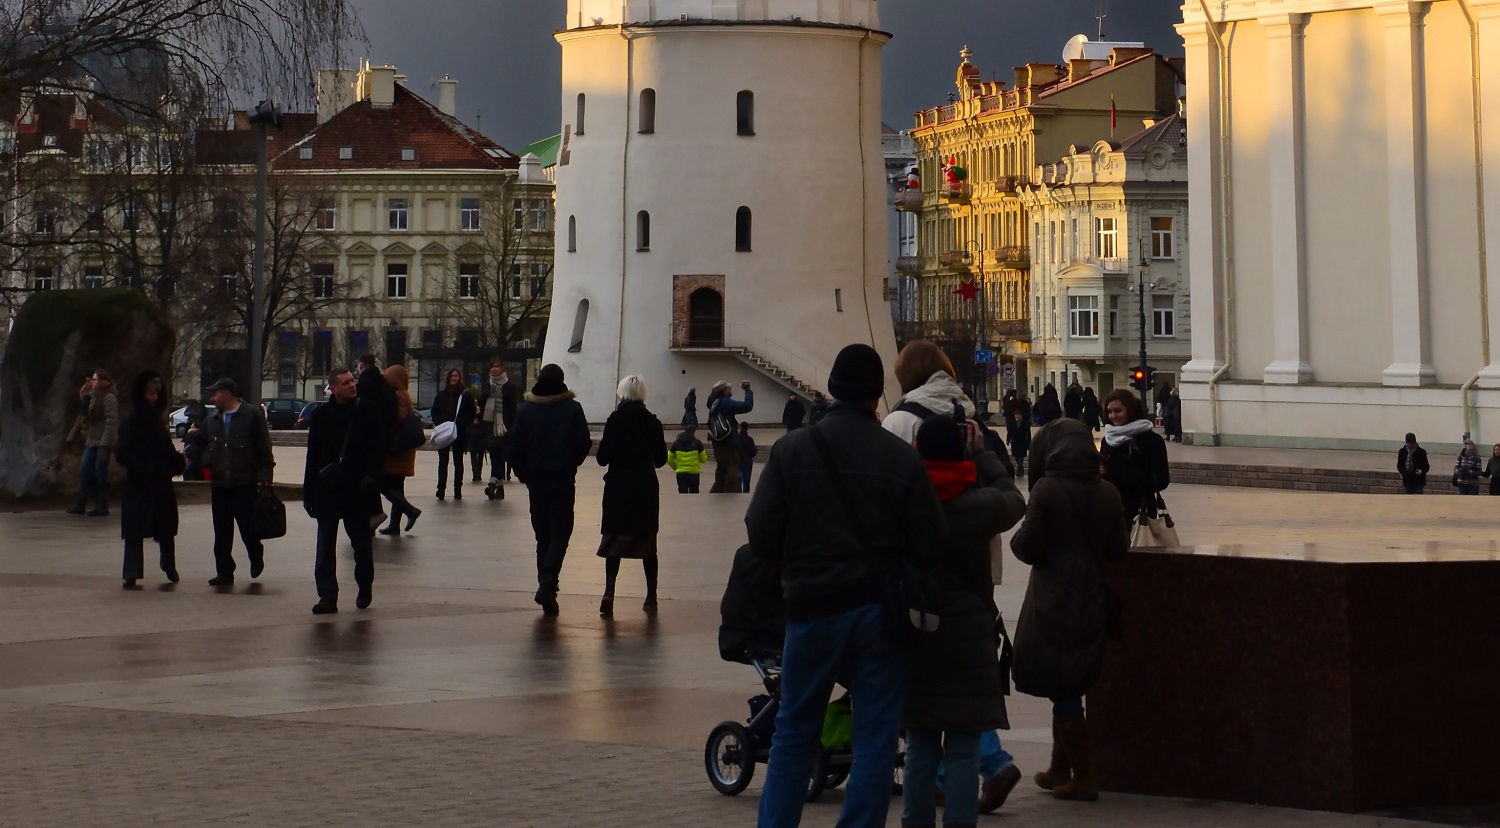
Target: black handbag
x=409, y=435
x=269, y=515
x=910, y=598
x=333, y=474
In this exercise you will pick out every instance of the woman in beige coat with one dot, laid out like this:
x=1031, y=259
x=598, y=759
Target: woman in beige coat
x=399, y=465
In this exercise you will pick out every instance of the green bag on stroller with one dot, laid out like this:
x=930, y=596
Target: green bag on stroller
x=838, y=724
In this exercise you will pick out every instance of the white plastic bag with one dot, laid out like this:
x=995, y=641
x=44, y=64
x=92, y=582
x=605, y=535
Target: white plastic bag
x=444, y=434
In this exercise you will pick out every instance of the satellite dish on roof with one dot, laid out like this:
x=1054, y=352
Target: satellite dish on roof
x=1075, y=48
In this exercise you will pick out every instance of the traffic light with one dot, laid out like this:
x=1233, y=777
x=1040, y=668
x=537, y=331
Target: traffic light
x=1139, y=377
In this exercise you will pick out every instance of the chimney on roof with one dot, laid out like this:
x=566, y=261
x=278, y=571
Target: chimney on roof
x=1079, y=68
x=335, y=92
x=401, y=79
x=379, y=86
x=448, y=96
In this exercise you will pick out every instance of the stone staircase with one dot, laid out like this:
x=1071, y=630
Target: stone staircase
x=1297, y=478
x=765, y=366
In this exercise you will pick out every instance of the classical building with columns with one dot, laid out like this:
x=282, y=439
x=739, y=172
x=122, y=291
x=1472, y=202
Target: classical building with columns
x=1346, y=221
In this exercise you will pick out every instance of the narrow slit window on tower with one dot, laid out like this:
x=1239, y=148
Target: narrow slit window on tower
x=745, y=112
x=742, y=230
x=579, y=321
x=572, y=234
x=838, y=299
x=578, y=121
x=648, y=111
x=642, y=231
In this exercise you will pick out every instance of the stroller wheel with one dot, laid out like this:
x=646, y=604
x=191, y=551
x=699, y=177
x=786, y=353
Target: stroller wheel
x=899, y=777
x=837, y=777
x=729, y=758
x=819, y=779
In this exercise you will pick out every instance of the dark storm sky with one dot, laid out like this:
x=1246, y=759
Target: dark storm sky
x=507, y=64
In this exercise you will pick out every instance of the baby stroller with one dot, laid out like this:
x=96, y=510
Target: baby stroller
x=753, y=623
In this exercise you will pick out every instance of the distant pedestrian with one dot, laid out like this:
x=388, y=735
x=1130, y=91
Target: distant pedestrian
x=372, y=388
x=497, y=412
x=819, y=408
x=1467, y=468
x=811, y=520
x=1092, y=413
x=1073, y=401
x=1047, y=407
x=1072, y=526
x=722, y=431
x=100, y=409
x=690, y=408
x=1492, y=471
x=345, y=451
x=453, y=404
x=632, y=449
x=747, y=451
x=1171, y=419
x=239, y=462
x=1023, y=406
x=1134, y=455
x=548, y=443
x=148, y=506
x=399, y=465
x=1412, y=465
x=1018, y=435
x=686, y=457
x=794, y=413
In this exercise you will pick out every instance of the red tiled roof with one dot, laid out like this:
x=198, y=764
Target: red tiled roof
x=1171, y=129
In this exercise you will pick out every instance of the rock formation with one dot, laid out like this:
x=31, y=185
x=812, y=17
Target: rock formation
x=57, y=339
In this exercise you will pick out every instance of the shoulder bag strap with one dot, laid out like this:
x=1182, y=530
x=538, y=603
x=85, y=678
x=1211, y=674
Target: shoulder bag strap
x=353, y=421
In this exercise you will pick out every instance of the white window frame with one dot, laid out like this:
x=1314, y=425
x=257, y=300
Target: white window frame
x=538, y=214
x=327, y=217
x=1106, y=237
x=1114, y=316
x=538, y=279
x=40, y=282
x=1083, y=316
x=1163, y=319
x=398, y=214
x=469, y=214
x=468, y=280
x=515, y=280
x=397, y=284
x=322, y=281
x=1163, y=243
x=93, y=276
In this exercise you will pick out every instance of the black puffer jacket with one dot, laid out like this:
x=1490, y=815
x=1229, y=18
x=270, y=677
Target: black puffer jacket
x=955, y=674
x=1139, y=470
x=550, y=439
x=796, y=519
x=1073, y=523
x=148, y=505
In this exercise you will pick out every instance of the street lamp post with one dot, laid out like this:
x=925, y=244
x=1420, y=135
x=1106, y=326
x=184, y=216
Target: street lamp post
x=1140, y=295
x=981, y=338
x=266, y=114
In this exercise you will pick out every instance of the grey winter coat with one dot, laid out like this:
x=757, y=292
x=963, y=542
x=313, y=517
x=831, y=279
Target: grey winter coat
x=1074, y=521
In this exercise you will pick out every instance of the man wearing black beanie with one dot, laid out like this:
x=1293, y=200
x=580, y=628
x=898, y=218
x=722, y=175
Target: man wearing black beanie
x=837, y=533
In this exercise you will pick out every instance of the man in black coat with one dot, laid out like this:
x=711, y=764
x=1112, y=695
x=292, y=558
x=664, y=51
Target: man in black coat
x=834, y=580
x=345, y=449
x=793, y=414
x=372, y=388
x=549, y=442
x=1073, y=401
x=1411, y=462
x=239, y=461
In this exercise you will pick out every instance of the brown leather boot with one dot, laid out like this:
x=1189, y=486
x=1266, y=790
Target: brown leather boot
x=993, y=792
x=1083, y=786
x=1059, y=771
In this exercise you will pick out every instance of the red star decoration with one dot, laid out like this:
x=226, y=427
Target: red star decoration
x=968, y=290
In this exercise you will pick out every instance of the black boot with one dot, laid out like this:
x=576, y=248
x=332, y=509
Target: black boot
x=394, y=527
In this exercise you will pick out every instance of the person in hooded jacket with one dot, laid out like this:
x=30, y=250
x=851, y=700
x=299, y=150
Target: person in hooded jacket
x=954, y=694
x=101, y=407
x=1047, y=407
x=453, y=405
x=928, y=389
x=690, y=408
x=1072, y=526
x=549, y=442
x=632, y=449
x=399, y=465
x=686, y=457
x=148, y=505
x=1134, y=455
x=1073, y=401
x=1092, y=413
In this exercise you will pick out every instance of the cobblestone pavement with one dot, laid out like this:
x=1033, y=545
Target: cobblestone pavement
x=452, y=701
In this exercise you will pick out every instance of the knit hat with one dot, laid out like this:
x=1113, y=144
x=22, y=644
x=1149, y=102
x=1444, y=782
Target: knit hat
x=549, y=381
x=939, y=440
x=1411, y=437
x=858, y=375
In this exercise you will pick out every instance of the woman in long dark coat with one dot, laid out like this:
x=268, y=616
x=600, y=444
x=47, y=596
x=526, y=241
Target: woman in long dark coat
x=632, y=448
x=148, y=508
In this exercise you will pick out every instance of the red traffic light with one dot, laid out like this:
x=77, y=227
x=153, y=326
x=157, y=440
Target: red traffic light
x=1137, y=375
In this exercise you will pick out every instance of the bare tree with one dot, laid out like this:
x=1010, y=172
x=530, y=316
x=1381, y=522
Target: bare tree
x=504, y=284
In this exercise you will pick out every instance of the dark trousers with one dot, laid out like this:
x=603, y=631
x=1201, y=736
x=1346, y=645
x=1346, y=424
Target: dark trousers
x=393, y=487
x=552, y=521
x=687, y=483
x=612, y=572
x=498, y=468
x=726, y=468
x=93, y=477
x=231, y=506
x=1413, y=488
x=135, y=557
x=476, y=462
x=744, y=478
x=458, y=469
x=325, y=564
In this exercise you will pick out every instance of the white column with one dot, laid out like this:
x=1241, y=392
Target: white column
x=1406, y=176
x=1487, y=14
x=1206, y=205
x=1285, y=109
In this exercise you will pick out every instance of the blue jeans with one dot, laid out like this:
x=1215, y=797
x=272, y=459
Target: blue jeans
x=959, y=752
x=851, y=648
x=992, y=759
x=1468, y=488
x=1413, y=488
x=93, y=476
x=744, y=480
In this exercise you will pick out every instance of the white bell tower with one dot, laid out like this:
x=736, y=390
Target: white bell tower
x=721, y=204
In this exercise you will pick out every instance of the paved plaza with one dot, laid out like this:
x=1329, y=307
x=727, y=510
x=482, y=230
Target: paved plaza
x=452, y=701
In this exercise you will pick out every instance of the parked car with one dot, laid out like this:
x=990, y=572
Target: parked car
x=186, y=417
x=306, y=416
x=426, y=416
x=283, y=413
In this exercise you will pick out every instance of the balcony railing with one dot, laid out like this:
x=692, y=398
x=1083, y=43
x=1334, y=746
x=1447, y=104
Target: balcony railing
x=908, y=201
x=909, y=265
x=958, y=193
x=1014, y=257
x=955, y=261
x=1106, y=264
x=1012, y=329
x=1008, y=184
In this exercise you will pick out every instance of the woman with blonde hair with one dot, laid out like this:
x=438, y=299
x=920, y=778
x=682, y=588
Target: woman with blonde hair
x=632, y=448
x=929, y=387
x=101, y=409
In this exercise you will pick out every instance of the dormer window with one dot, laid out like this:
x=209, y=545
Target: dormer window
x=408, y=154
x=346, y=153
x=305, y=153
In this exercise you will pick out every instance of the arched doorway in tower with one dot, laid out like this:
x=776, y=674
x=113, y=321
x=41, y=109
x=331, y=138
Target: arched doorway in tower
x=706, y=318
